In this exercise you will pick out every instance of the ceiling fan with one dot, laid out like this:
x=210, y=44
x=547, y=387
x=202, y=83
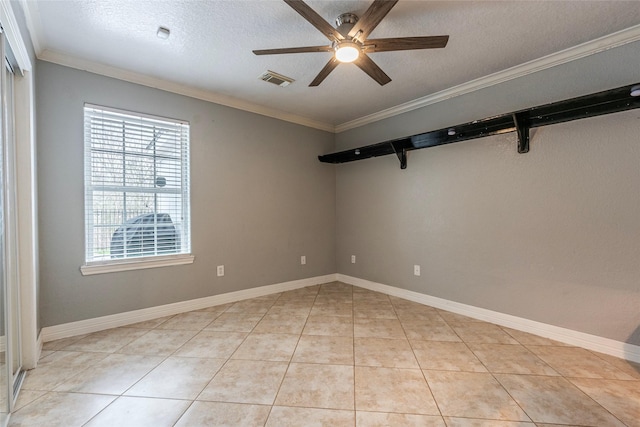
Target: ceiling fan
x=349, y=39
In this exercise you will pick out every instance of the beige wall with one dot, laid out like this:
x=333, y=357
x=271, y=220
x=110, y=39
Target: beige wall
x=550, y=236
x=260, y=199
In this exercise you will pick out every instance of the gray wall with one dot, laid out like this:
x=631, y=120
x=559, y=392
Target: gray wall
x=259, y=200
x=551, y=235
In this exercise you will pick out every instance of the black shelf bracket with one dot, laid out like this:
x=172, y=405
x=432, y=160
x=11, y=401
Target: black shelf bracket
x=401, y=152
x=606, y=102
x=522, y=129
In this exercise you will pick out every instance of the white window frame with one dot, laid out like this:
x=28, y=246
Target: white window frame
x=93, y=266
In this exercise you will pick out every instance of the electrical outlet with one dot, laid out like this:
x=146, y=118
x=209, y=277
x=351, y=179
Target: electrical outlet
x=220, y=270
x=353, y=259
x=416, y=270
x=303, y=260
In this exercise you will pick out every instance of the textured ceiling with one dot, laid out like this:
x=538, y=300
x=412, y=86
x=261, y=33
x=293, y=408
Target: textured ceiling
x=211, y=42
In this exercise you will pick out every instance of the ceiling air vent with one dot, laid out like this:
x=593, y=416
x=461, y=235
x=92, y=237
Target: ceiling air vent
x=276, y=79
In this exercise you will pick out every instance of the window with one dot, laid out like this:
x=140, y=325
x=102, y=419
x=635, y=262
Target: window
x=136, y=189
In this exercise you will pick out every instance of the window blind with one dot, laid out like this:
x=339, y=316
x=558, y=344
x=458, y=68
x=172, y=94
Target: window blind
x=136, y=185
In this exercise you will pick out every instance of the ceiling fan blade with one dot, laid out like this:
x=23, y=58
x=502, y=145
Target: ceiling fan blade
x=367, y=65
x=331, y=65
x=304, y=49
x=314, y=19
x=405, y=43
x=371, y=18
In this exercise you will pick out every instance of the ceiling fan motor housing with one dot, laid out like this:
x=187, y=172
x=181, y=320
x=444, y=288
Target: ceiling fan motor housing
x=345, y=22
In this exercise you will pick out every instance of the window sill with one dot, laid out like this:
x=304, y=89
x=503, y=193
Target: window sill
x=137, y=264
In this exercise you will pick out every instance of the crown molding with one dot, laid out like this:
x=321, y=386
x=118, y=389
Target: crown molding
x=619, y=38
x=67, y=60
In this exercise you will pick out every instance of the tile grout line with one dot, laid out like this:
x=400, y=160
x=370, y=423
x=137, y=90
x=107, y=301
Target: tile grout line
x=418, y=362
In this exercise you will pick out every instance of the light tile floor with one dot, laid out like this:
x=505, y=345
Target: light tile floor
x=329, y=355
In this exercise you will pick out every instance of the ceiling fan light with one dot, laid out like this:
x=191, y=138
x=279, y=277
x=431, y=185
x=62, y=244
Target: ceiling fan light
x=347, y=52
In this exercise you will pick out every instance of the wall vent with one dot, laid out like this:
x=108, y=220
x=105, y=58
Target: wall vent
x=276, y=79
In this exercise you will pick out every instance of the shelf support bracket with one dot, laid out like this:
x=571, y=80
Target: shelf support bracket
x=522, y=129
x=401, y=152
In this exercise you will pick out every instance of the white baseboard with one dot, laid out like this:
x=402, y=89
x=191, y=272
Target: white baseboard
x=80, y=327
x=592, y=342
x=568, y=336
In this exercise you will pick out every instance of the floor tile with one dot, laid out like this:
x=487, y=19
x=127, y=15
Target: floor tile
x=378, y=328
x=621, y=398
x=329, y=326
x=421, y=330
x=191, y=321
x=60, y=410
x=283, y=416
x=27, y=396
x=273, y=347
x=245, y=381
x=555, y=400
x=324, y=349
x=382, y=419
x=58, y=368
x=61, y=343
x=393, y=390
x=406, y=304
x=474, y=422
x=511, y=359
x=251, y=306
x=302, y=294
x=281, y=324
x=374, y=312
x=213, y=344
x=332, y=309
x=317, y=386
x=456, y=318
x=374, y=298
x=526, y=338
x=298, y=349
x=446, y=356
x=150, y=324
x=140, y=412
x=306, y=301
x=217, y=414
x=419, y=314
x=335, y=287
x=290, y=310
x=108, y=341
x=234, y=322
x=628, y=367
x=45, y=353
x=158, y=342
x=112, y=375
x=177, y=378
x=473, y=395
x=578, y=362
x=556, y=425
x=389, y=353
x=480, y=332
x=333, y=298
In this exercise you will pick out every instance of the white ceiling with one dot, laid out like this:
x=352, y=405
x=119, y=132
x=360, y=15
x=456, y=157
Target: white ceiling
x=210, y=48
